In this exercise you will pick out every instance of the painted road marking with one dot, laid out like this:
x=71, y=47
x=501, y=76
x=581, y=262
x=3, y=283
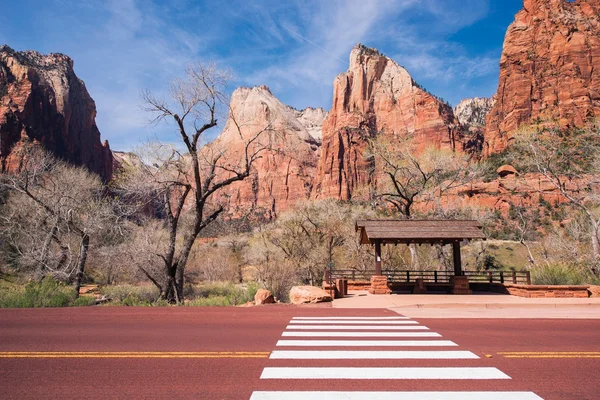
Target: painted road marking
x=361, y=327
x=370, y=355
x=362, y=334
x=357, y=318
x=395, y=395
x=134, y=354
x=362, y=343
x=550, y=354
x=383, y=373
x=324, y=321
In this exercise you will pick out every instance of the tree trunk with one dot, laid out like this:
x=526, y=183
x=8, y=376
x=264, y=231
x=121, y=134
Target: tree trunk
x=529, y=253
x=85, y=242
x=39, y=271
x=414, y=256
x=595, y=248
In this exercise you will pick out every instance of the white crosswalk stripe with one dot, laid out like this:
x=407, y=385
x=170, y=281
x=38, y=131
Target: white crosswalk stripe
x=370, y=355
x=383, y=373
x=394, y=395
x=367, y=343
x=361, y=322
x=360, y=334
x=380, y=332
x=349, y=318
x=362, y=327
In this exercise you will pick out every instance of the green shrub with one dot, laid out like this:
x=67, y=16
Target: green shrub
x=131, y=295
x=83, y=301
x=47, y=293
x=220, y=294
x=219, y=301
x=558, y=274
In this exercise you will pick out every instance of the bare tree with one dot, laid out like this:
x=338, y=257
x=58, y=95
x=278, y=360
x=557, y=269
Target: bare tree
x=188, y=183
x=416, y=176
x=570, y=161
x=51, y=203
x=411, y=177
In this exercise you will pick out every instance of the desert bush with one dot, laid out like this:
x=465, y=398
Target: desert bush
x=47, y=293
x=559, y=273
x=220, y=293
x=83, y=301
x=131, y=295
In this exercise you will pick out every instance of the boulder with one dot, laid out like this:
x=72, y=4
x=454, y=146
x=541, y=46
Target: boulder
x=263, y=296
x=506, y=170
x=308, y=294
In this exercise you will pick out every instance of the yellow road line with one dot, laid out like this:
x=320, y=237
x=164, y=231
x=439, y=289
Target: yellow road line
x=133, y=354
x=555, y=356
x=550, y=354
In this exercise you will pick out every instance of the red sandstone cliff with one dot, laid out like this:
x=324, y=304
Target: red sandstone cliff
x=285, y=172
x=42, y=101
x=550, y=68
x=376, y=96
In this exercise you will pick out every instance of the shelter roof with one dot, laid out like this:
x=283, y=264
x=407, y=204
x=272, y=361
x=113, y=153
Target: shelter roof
x=418, y=231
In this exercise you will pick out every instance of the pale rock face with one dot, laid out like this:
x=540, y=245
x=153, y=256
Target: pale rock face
x=312, y=119
x=376, y=96
x=123, y=160
x=43, y=102
x=471, y=113
x=284, y=174
x=550, y=69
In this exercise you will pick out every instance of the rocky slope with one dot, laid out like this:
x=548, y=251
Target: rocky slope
x=376, y=96
x=285, y=172
x=471, y=115
x=549, y=70
x=42, y=101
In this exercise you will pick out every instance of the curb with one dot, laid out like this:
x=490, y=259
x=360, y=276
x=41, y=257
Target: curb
x=500, y=305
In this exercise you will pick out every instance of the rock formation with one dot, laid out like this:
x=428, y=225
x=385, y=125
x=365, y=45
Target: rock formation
x=471, y=115
x=43, y=102
x=549, y=70
x=285, y=172
x=312, y=119
x=376, y=96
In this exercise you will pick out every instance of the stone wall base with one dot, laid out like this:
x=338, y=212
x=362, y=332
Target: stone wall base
x=379, y=285
x=460, y=285
x=542, y=291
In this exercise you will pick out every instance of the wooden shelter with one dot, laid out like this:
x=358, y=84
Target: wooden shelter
x=378, y=232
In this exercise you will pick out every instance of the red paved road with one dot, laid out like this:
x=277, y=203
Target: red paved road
x=258, y=330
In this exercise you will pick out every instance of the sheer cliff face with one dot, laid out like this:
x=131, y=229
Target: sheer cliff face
x=42, y=101
x=376, y=96
x=550, y=68
x=285, y=172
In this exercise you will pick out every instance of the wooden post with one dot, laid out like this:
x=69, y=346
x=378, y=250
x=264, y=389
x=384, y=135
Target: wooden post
x=378, y=257
x=456, y=259
x=514, y=277
x=528, y=277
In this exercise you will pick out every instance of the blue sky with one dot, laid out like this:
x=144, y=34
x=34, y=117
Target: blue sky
x=296, y=47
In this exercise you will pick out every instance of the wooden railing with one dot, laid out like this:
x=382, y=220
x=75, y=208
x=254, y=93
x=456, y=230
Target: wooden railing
x=407, y=276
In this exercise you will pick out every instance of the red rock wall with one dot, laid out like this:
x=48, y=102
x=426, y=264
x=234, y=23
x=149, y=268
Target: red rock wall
x=43, y=102
x=374, y=97
x=550, y=69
